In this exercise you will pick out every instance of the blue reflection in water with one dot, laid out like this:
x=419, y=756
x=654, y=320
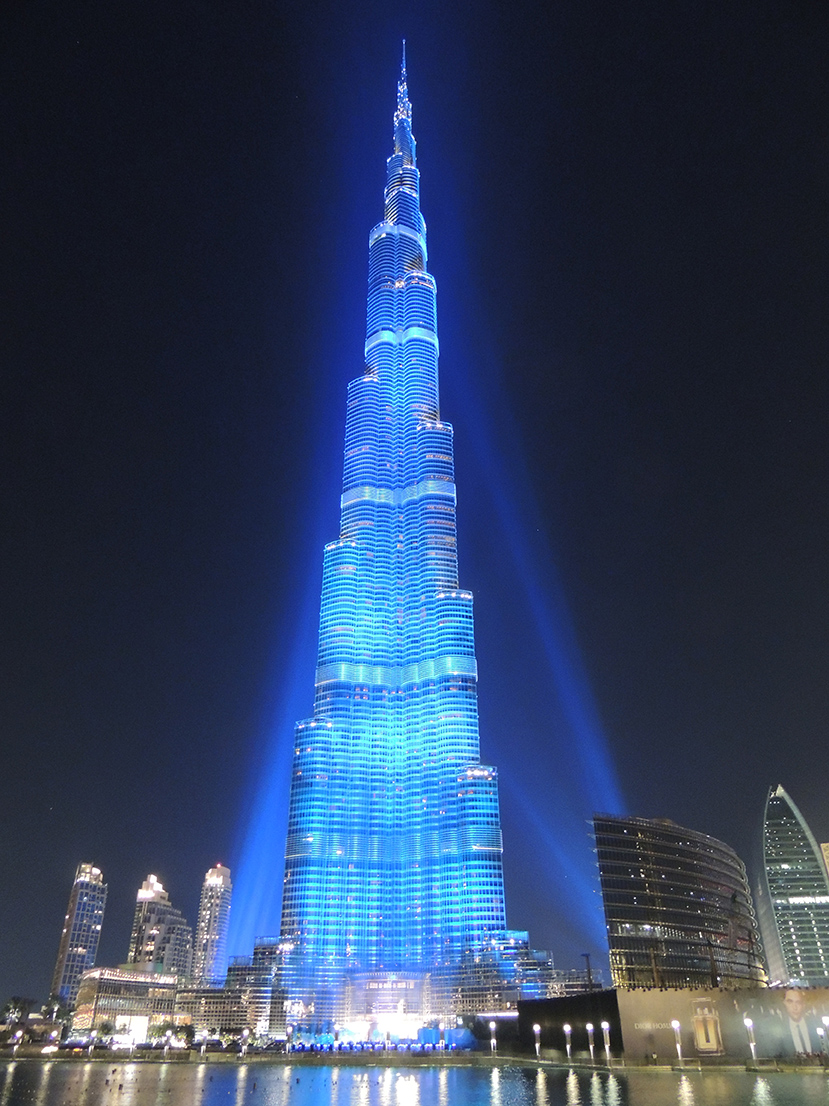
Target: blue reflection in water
x=105, y=1083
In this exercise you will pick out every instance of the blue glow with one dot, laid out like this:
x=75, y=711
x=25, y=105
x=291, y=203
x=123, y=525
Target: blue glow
x=568, y=880
x=584, y=779
x=257, y=892
x=587, y=780
x=396, y=696
x=393, y=873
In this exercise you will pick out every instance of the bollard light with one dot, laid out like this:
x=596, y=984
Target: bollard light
x=752, y=1043
x=676, y=1027
x=606, y=1035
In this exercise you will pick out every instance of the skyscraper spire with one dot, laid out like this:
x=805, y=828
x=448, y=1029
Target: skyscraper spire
x=393, y=896
x=404, y=142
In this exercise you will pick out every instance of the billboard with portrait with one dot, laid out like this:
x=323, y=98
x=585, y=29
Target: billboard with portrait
x=714, y=1024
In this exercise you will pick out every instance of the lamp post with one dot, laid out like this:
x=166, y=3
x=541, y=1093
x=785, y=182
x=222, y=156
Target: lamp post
x=203, y=1048
x=167, y=1037
x=589, y=1028
x=606, y=1035
x=245, y=1038
x=568, y=1029
x=675, y=1026
x=586, y=956
x=537, y=1032
x=821, y=1032
x=752, y=1043
x=442, y=1041
x=492, y=1044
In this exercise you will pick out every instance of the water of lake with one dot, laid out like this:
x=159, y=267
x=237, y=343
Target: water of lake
x=98, y=1083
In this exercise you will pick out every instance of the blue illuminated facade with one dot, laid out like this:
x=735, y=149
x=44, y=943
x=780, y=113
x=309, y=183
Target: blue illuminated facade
x=393, y=895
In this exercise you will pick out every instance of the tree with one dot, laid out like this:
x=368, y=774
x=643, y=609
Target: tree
x=15, y=1013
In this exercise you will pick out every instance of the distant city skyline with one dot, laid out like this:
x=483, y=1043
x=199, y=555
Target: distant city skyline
x=629, y=205
x=624, y=842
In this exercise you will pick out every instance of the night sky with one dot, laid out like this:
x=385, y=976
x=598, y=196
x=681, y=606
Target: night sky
x=627, y=214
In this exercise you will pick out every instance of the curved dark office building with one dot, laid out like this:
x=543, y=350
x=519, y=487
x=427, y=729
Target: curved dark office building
x=793, y=897
x=677, y=906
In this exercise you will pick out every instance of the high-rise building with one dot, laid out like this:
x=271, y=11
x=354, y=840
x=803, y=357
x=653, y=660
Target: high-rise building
x=393, y=893
x=677, y=905
x=210, y=953
x=793, y=897
x=81, y=932
x=161, y=939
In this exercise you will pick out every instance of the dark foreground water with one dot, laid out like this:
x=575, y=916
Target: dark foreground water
x=33, y=1083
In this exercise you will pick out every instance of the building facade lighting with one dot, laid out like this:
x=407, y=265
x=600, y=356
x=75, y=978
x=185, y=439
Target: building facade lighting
x=393, y=896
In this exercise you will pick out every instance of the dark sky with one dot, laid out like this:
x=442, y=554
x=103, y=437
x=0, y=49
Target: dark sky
x=627, y=212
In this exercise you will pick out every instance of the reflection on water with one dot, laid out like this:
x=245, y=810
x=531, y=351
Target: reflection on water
x=762, y=1093
x=613, y=1091
x=685, y=1091
x=105, y=1083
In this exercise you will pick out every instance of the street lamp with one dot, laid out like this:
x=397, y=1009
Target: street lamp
x=245, y=1038
x=492, y=1035
x=568, y=1029
x=752, y=1043
x=675, y=1027
x=589, y=1028
x=586, y=956
x=821, y=1032
x=442, y=1041
x=606, y=1035
x=167, y=1037
x=537, y=1031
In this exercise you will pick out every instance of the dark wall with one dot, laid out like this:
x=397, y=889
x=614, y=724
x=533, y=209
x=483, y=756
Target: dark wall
x=573, y=1010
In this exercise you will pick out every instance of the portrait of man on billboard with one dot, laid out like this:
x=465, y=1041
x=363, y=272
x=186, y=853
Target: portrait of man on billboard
x=794, y=1032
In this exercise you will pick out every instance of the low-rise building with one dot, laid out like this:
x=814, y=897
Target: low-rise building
x=125, y=1000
